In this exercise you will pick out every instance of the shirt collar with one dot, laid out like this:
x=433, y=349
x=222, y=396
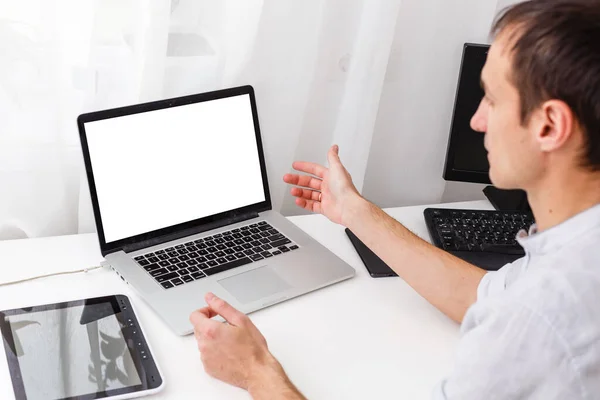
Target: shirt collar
x=560, y=235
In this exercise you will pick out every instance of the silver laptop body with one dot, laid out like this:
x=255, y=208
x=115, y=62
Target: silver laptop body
x=182, y=207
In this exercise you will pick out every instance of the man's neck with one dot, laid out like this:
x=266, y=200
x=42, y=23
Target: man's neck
x=556, y=201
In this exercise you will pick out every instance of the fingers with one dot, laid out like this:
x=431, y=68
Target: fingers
x=310, y=168
x=310, y=205
x=303, y=180
x=203, y=324
x=333, y=155
x=306, y=194
x=225, y=310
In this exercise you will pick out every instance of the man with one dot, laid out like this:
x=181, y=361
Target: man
x=532, y=329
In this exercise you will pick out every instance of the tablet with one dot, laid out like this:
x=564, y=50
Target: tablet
x=375, y=265
x=78, y=350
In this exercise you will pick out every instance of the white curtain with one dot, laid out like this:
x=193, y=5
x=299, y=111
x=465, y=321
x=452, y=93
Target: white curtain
x=317, y=67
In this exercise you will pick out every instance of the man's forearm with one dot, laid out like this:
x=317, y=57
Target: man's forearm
x=447, y=282
x=271, y=382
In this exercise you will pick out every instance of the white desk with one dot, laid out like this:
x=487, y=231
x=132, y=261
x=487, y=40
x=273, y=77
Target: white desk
x=363, y=338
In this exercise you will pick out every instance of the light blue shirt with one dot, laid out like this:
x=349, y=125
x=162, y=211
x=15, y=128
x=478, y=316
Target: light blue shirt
x=534, y=332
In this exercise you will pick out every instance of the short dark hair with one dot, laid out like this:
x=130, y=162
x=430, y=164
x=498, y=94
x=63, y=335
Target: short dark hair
x=556, y=55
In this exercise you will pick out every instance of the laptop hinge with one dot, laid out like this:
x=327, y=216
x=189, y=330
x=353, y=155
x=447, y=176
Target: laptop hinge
x=236, y=218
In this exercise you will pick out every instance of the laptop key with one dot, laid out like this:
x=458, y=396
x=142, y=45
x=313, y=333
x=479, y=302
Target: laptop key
x=201, y=259
x=187, y=278
x=188, y=244
x=221, y=247
x=184, y=258
x=253, y=225
x=281, y=242
x=257, y=249
x=230, y=244
x=158, y=272
x=211, y=257
x=193, y=255
x=267, y=247
x=262, y=223
x=220, y=254
x=193, y=269
x=265, y=241
x=202, y=252
x=240, y=255
x=228, y=266
x=235, y=230
x=192, y=248
x=138, y=258
x=164, y=263
x=168, y=249
x=192, y=262
x=276, y=237
x=172, y=268
x=167, y=277
x=177, y=282
x=228, y=238
x=167, y=285
x=273, y=231
x=174, y=260
x=231, y=258
x=198, y=241
x=203, y=266
x=181, y=265
x=183, y=272
x=151, y=267
x=248, y=252
x=173, y=253
x=255, y=243
x=143, y=262
x=294, y=247
x=245, y=228
x=256, y=257
x=229, y=251
x=266, y=254
x=182, y=251
x=163, y=257
x=198, y=275
x=238, y=241
x=212, y=249
x=149, y=255
x=179, y=246
x=218, y=235
x=284, y=249
x=238, y=248
x=212, y=263
x=221, y=260
x=276, y=253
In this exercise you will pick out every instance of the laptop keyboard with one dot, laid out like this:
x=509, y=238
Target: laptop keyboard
x=194, y=260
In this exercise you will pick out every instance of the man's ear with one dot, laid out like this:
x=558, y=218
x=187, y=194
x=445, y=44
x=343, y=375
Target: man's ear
x=556, y=122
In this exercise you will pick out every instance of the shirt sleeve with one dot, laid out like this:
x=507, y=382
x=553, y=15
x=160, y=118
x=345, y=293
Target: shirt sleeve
x=497, y=281
x=510, y=353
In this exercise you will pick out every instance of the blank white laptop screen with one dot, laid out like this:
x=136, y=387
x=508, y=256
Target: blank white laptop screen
x=161, y=168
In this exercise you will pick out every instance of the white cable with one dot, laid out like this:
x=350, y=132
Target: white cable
x=86, y=270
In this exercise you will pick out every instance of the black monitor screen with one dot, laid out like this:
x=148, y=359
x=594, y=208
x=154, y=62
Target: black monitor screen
x=466, y=160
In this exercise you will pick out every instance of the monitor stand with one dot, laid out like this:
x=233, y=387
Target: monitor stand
x=507, y=200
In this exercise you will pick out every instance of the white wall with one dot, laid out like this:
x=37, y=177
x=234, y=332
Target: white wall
x=409, y=146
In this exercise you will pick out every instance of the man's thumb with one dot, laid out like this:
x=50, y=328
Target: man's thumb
x=333, y=155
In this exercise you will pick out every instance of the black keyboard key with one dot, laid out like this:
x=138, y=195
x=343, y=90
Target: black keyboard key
x=212, y=263
x=177, y=282
x=246, y=233
x=253, y=225
x=181, y=265
x=187, y=278
x=230, y=244
x=188, y=244
x=143, y=262
x=199, y=241
x=254, y=230
x=212, y=249
x=265, y=234
x=193, y=269
x=208, y=238
x=182, y=251
x=184, y=258
x=203, y=266
x=219, y=241
x=266, y=254
x=202, y=252
x=211, y=257
x=198, y=275
x=149, y=255
x=183, y=272
x=192, y=248
x=247, y=246
x=201, y=259
x=210, y=243
x=262, y=223
x=229, y=251
x=248, y=252
x=168, y=249
x=231, y=258
x=503, y=249
x=280, y=242
x=273, y=231
x=151, y=267
x=173, y=253
x=238, y=241
x=158, y=272
x=248, y=239
x=245, y=228
x=167, y=285
x=238, y=248
x=221, y=247
x=228, y=238
x=218, y=235
x=192, y=262
x=267, y=247
x=202, y=246
x=163, y=257
x=221, y=260
x=276, y=253
x=174, y=260
x=257, y=249
x=228, y=266
x=284, y=249
x=167, y=277
x=256, y=257
x=276, y=237
x=237, y=235
x=264, y=228
x=193, y=255
x=220, y=254
x=256, y=236
x=138, y=258
x=264, y=241
x=255, y=243
x=179, y=246
x=235, y=230
x=164, y=263
x=294, y=247
x=240, y=255
x=172, y=268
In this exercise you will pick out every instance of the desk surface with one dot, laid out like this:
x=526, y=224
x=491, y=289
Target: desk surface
x=362, y=338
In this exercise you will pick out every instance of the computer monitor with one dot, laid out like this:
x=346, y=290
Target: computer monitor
x=466, y=158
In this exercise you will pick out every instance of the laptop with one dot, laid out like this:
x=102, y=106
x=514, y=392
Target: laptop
x=182, y=207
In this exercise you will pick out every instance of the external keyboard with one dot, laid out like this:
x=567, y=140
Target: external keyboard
x=194, y=260
x=477, y=231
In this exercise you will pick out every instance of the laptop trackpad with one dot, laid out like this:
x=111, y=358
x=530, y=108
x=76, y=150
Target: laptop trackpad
x=254, y=285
